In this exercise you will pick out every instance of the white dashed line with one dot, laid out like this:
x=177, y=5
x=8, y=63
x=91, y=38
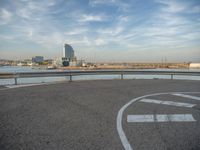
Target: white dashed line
x=187, y=96
x=167, y=103
x=161, y=118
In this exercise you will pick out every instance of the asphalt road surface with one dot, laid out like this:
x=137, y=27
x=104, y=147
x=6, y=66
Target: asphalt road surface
x=104, y=114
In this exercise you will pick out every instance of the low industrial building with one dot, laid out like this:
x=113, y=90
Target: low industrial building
x=38, y=59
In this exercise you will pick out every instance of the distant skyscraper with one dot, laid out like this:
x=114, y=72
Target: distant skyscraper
x=68, y=52
x=68, y=55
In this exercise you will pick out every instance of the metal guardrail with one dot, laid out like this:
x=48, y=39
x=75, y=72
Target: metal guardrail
x=17, y=75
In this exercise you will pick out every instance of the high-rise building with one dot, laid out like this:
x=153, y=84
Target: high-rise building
x=68, y=51
x=68, y=55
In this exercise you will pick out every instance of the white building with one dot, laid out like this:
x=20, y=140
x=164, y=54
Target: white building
x=194, y=65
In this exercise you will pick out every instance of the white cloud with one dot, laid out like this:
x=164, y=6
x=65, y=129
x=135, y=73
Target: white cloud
x=168, y=27
x=120, y=4
x=76, y=31
x=124, y=7
x=195, y=9
x=29, y=9
x=90, y=18
x=83, y=41
x=158, y=31
x=172, y=6
x=30, y=34
x=101, y=2
x=39, y=35
x=5, y=16
x=24, y=13
x=40, y=23
x=6, y=37
x=124, y=18
x=111, y=31
x=99, y=42
x=191, y=36
x=172, y=20
x=47, y=40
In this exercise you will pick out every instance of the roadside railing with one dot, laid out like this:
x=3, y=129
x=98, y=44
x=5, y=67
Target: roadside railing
x=70, y=74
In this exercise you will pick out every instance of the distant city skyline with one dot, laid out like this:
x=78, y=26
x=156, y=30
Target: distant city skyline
x=101, y=30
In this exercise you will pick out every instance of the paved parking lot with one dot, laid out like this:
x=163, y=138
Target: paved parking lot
x=85, y=115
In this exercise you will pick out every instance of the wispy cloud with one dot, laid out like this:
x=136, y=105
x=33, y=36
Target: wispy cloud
x=76, y=31
x=101, y=2
x=108, y=26
x=120, y=4
x=111, y=31
x=30, y=9
x=91, y=18
x=6, y=37
x=195, y=9
x=172, y=6
x=5, y=16
x=99, y=42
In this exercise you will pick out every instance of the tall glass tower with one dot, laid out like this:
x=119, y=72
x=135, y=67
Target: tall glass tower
x=68, y=52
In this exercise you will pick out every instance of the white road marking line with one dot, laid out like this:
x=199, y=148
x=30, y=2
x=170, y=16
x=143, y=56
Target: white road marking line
x=23, y=85
x=167, y=103
x=161, y=118
x=120, y=130
x=187, y=96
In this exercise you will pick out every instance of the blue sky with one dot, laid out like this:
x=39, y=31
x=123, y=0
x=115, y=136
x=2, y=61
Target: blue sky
x=102, y=30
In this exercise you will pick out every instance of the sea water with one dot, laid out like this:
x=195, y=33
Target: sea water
x=15, y=69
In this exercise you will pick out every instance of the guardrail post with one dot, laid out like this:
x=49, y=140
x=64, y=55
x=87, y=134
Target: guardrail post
x=70, y=78
x=122, y=76
x=172, y=76
x=15, y=80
